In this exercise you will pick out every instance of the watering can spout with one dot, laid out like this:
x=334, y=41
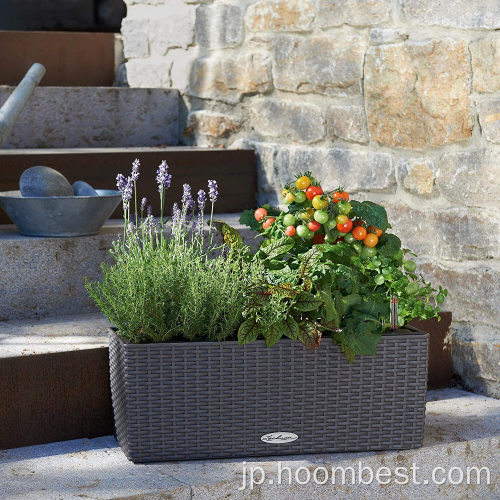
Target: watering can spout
x=13, y=106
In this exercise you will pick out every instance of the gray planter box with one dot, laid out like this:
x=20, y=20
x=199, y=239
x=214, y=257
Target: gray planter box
x=199, y=400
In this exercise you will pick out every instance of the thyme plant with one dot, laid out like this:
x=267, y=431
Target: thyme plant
x=168, y=280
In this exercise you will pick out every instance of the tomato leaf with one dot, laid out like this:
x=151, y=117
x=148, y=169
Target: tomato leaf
x=309, y=335
x=306, y=301
x=373, y=214
x=248, y=331
x=388, y=245
x=331, y=315
x=247, y=218
x=358, y=337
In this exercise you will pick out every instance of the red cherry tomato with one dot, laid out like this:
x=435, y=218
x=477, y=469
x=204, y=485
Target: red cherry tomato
x=260, y=213
x=318, y=239
x=313, y=191
x=268, y=223
x=359, y=222
x=313, y=226
x=340, y=195
x=345, y=228
x=290, y=230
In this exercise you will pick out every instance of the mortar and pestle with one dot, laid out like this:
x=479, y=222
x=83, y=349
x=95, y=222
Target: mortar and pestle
x=48, y=205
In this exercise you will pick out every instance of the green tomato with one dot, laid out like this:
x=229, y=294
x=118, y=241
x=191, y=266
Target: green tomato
x=310, y=236
x=358, y=247
x=300, y=197
x=329, y=238
x=412, y=288
x=289, y=220
x=399, y=255
x=303, y=231
x=440, y=298
x=321, y=216
x=349, y=238
x=344, y=207
x=379, y=279
x=410, y=266
x=369, y=252
x=332, y=224
x=266, y=206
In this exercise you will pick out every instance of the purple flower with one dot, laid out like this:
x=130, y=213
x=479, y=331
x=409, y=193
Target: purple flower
x=130, y=228
x=149, y=210
x=186, y=195
x=149, y=223
x=176, y=216
x=121, y=182
x=127, y=192
x=135, y=170
x=143, y=204
x=202, y=199
x=213, y=191
x=163, y=178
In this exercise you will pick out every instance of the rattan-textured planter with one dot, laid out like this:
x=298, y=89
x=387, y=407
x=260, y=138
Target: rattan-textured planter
x=191, y=400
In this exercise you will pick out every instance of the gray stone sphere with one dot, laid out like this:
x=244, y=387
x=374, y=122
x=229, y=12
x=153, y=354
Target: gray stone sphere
x=44, y=181
x=82, y=188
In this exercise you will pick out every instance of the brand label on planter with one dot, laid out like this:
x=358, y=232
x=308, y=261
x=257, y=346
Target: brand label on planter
x=279, y=437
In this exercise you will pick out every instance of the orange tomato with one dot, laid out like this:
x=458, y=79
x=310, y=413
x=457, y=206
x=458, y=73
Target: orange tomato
x=376, y=231
x=260, y=213
x=359, y=233
x=370, y=240
x=268, y=223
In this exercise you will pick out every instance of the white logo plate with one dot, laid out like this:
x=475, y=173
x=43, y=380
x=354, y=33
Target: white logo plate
x=279, y=437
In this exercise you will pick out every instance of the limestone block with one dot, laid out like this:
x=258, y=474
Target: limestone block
x=474, y=14
x=280, y=15
x=219, y=26
x=470, y=178
x=489, y=118
x=485, y=54
x=348, y=123
x=353, y=12
x=286, y=119
x=318, y=64
x=417, y=93
x=228, y=78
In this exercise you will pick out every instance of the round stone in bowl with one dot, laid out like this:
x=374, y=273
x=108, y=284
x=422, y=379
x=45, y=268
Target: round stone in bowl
x=41, y=182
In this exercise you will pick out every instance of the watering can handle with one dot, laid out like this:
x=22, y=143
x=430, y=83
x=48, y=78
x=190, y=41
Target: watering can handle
x=13, y=106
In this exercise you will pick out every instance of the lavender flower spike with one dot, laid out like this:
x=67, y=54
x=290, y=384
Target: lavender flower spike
x=213, y=191
x=127, y=192
x=149, y=210
x=135, y=170
x=202, y=199
x=121, y=182
x=186, y=195
x=144, y=201
x=163, y=178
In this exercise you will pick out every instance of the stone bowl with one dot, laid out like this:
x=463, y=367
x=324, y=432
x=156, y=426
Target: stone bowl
x=60, y=216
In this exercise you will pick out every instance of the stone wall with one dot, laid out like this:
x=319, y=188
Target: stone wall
x=397, y=100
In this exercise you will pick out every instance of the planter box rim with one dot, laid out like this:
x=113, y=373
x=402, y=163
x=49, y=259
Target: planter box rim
x=406, y=331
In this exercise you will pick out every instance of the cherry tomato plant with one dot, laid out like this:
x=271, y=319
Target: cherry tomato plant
x=331, y=266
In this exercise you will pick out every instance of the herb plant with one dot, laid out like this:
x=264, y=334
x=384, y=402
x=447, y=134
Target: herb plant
x=177, y=286
x=330, y=266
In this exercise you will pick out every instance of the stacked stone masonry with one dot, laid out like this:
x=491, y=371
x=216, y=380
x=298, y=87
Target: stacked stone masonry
x=397, y=100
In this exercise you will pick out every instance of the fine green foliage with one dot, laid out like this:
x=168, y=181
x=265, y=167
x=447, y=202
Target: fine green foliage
x=180, y=287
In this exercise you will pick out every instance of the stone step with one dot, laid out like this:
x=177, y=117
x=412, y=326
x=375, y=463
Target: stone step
x=44, y=277
x=85, y=117
x=54, y=380
x=71, y=58
x=234, y=171
x=462, y=431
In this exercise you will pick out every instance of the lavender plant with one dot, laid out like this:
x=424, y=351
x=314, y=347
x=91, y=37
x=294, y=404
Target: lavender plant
x=168, y=280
